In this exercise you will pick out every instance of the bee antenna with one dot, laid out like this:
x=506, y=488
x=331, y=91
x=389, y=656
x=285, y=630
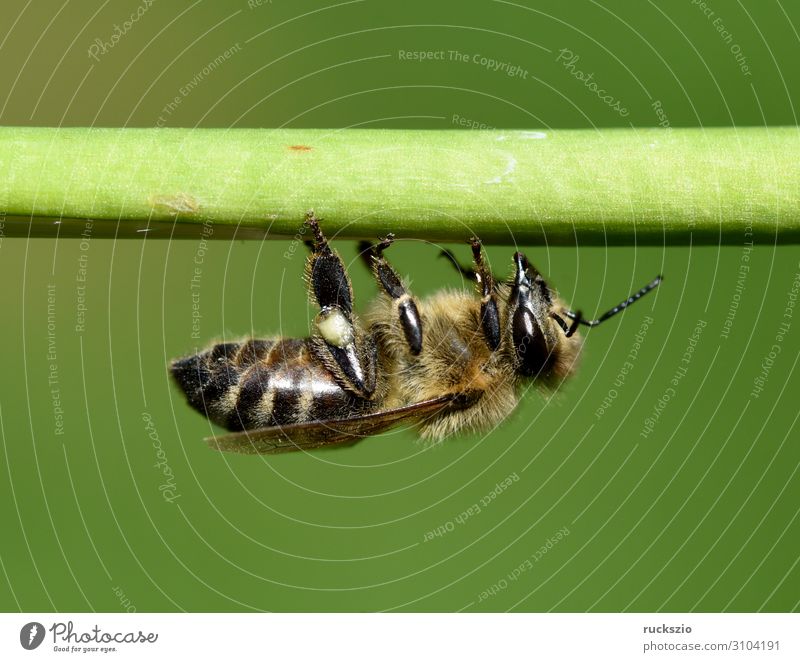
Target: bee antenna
x=464, y=271
x=577, y=318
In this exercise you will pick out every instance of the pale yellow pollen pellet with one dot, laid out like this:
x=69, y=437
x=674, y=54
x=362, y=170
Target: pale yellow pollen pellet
x=335, y=328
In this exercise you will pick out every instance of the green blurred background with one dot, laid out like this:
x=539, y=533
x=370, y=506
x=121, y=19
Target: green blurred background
x=699, y=514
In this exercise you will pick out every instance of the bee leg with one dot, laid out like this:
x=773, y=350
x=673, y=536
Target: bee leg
x=338, y=342
x=485, y=280
x=490, y=316
x=330, y=286
x=390, y=283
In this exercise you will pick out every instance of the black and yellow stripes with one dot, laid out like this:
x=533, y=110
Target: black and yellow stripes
x=262, y=383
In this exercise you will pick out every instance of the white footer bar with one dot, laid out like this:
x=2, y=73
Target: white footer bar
x=401, y=637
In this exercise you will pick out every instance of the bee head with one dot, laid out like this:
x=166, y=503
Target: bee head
x=537, y=328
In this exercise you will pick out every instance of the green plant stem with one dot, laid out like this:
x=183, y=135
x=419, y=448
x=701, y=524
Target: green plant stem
x=610, y=186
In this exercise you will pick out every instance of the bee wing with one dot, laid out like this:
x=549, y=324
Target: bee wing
x=329, y=433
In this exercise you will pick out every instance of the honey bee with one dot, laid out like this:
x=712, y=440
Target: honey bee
x=449, y=363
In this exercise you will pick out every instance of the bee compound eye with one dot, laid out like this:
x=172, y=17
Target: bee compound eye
x=529, y=343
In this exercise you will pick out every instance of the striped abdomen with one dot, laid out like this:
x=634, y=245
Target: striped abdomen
x=263, y=383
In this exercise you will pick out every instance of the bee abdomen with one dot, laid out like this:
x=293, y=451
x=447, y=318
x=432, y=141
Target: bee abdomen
x=263, y=383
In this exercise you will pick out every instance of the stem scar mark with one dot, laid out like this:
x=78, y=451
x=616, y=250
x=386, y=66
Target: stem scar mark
x=180, y=203
x=300, y=148
x=511, y=166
